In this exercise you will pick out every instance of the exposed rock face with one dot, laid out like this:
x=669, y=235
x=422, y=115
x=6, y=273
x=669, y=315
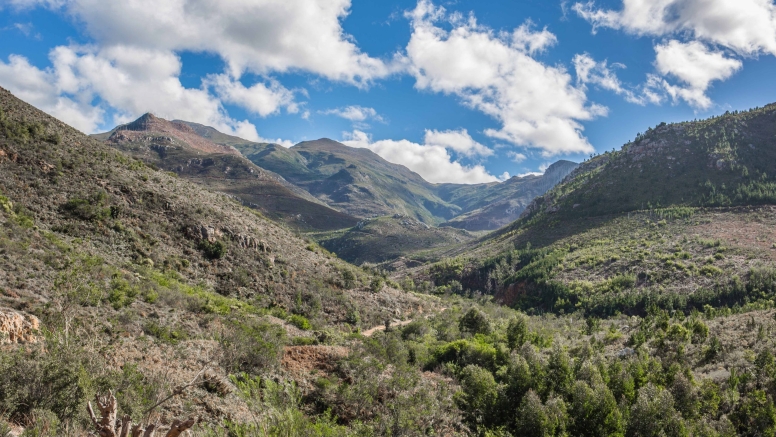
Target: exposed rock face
x=141, y=127
x=17, y=327
x=213, y=234
x=208, y=233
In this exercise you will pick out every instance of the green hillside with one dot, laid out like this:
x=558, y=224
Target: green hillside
x=355, y=181
x=679, y=218
x=387, y=238
x=125, y=279
x=140, y=278
x=360, y=183
x=175, y=147
x=723, y=161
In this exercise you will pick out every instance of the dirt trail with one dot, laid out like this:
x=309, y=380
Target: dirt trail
x=394, y=323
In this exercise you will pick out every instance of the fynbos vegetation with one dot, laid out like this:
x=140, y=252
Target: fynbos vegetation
x=171, y=308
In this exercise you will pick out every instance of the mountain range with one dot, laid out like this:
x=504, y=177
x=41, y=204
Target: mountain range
x=633, y=296
x=359, y=183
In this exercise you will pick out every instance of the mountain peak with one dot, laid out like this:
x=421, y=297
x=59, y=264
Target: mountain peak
x=150, y=123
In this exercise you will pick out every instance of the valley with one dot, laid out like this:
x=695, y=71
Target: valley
x=320, y=290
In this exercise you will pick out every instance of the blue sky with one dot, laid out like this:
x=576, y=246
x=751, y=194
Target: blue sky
x=459, y=91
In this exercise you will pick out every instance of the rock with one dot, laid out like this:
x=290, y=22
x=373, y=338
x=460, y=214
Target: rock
x=17, y=327
x=204, y=232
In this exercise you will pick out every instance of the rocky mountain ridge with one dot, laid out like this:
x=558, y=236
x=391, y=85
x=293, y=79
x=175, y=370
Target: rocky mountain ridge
x=362, y=184
x=175, y=146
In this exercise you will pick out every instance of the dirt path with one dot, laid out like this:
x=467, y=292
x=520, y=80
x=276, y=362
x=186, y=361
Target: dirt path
x=394, y=323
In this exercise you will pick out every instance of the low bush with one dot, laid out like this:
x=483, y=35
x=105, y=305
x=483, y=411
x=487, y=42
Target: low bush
x=252, y=346
x=213, y=251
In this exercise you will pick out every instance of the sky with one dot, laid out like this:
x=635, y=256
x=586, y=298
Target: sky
x=459, y=91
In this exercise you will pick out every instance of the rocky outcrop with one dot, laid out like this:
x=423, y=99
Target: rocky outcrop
x=17, y=327
x=213, y=234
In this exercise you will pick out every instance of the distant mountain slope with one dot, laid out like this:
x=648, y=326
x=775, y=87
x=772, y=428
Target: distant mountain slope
x=387, y=238
x=722, y=161
x=359, y=182
x=491, y=206
x=680, y=218
x=178, y=147
x=355, y=181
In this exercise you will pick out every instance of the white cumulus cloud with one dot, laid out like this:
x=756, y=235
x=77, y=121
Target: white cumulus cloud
x=602, y=75
x=516, y=156
x=133, y=65
x=696, y=67
x=457, y=140
x=432, y=162
x=745, y=26
x=261, y=36
x=355, y=113
x=694, y=29
x=262, y=99
x=40, y=89
x=537, y=105
x=129, y=81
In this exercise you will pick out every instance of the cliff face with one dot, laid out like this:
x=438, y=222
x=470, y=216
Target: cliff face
x=17, y=327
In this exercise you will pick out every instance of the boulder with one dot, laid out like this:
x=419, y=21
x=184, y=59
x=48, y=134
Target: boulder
x=18, y=327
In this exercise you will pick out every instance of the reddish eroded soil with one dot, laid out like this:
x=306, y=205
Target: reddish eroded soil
x=299, y=360
x=751, y=228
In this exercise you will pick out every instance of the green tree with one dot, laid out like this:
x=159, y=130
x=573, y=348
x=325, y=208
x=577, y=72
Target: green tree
x=756, y=415
x=594, y=412
x=474, y=322
x=535, y=419
x=653, y=415
x=559, y=373
x=479, y=394
x=517, y=332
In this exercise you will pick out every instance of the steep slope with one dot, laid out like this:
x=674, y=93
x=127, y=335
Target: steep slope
x=177, y=147
x=495, y=205
x=723, y=161
x=140, y=278
x=680, y=218
x=61, y=184
x=355, y=181
x=359, y=182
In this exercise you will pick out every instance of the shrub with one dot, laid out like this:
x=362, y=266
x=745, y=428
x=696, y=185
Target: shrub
x=474, y=322
x=377, y=284
x=92, y=208
x=713, y=349
x=252, y=346
x=300, y=322
x=121, y=293
x=465, y=352
x=56, y=381
x=165, y=333
x=212, y=251
x=349, y=278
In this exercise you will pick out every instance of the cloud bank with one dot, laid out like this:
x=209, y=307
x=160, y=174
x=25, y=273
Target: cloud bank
x=537, y=105
x=701, y=40
x=432, y=161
